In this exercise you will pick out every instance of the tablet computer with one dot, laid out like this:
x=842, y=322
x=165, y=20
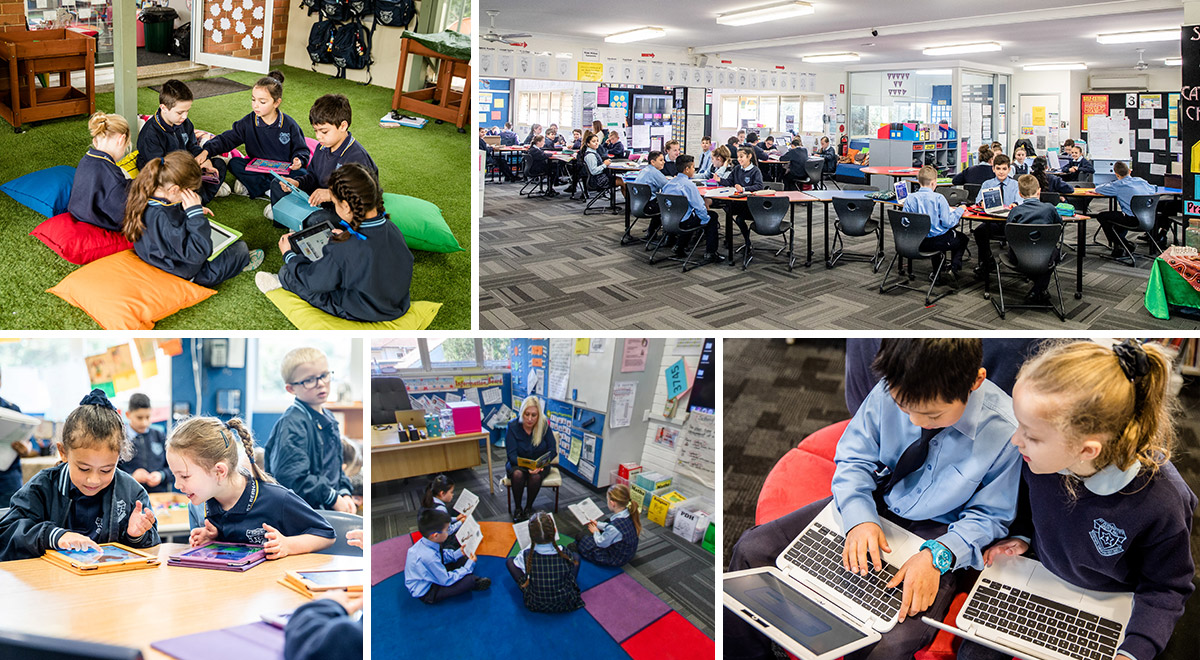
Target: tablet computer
x=109, y=558
x=311, y=242
x=316, y=580
x=268, y=166
x=220, y=556
x=222, y=237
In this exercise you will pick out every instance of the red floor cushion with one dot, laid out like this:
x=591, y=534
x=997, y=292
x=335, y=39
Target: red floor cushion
x=802, y=476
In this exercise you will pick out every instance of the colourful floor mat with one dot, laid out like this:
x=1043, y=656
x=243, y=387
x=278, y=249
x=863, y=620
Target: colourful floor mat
x=498, y=539
x=387, y=558
x=671, y=637
x=624, y=607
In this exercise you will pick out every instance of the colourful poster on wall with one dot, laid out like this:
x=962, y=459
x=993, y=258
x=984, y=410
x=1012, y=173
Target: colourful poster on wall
x=101, y=372
x=1039, y=115
x=1093, y=104
x=676, y=379
x=145, y=349
x=1189, y=118
x=589, y=71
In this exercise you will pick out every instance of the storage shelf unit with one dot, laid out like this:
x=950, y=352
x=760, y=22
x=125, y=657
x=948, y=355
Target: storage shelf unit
x=942, y=154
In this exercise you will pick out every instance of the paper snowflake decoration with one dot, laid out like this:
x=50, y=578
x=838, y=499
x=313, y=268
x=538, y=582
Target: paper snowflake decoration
x=240, y=27
x=258, y=13
x=208, y=25
x=228, y=5
x=214, y=9
x=247, y=3
x=216, y=36
x=257, y=32
x=237, y=14
x=247, y=42
x=224, y=23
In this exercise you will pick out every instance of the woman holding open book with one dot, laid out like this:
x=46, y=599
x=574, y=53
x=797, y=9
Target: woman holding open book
x=530, y=445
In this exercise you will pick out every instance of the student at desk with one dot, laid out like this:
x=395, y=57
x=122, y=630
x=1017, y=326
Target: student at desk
x=978, y=173
x=507, y=137
x=614, y=146
x=829, y=154
x=553, y=141
x=1081, y=169
x=796, y=159
x=722, y=163
x=1030, y=210
x=746, y=177
x=672, y=149
x=576, y=139
x=652, y=176
x=752, y=142
x=1002, y=180
x=943, y=232
x=539, y=163
x=705, y=164
x=534, y=131
x=1116, y=223
x=768, y=144
x=700, y=214
x=1049, y=182
x=1019, y=164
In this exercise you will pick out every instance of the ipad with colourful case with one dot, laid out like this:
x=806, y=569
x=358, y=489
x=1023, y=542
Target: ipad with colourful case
x=222, y=237
x=269, y=166
x=109, y=558
x=220, y=556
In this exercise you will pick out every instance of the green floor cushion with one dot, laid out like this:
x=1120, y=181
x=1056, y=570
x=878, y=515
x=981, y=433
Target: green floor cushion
x=45, y=191
x=306, y=317
x=421, y=222
x=79, y=242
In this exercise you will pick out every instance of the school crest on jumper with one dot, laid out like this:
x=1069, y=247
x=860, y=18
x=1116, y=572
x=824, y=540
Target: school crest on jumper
x=119, y=510
x=284, y=138
x=385, y=17
x=1107, y=537
x=257, y=536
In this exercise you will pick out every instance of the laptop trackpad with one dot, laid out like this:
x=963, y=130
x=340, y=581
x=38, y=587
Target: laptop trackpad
x=793, y=613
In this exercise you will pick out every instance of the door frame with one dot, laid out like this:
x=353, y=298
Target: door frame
x=226, y=61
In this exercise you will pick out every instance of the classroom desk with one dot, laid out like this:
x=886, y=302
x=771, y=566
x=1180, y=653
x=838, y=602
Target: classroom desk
x=894, y=172
x=136, y=608
x=392, y=459
x=826, y=197
x=512, y=156
x=794, y=197
x=615, y=169
x=31, y=466
x=1080, y=243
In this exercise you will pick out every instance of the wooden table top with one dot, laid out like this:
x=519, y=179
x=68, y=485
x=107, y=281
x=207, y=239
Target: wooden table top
x=891, y=171
x=387, y=437
x=136, y=608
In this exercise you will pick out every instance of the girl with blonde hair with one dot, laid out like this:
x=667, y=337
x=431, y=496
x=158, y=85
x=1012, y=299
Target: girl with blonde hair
x=528, y=437
x=101, y=186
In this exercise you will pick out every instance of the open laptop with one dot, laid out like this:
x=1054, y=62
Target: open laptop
x=1019, y=607
x=992, y=201
x=809, y=604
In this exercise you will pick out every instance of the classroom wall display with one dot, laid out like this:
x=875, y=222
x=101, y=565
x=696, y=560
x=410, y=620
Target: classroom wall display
x=696, y=456
x=1189, y=118
x=528, y=365
x=1145, y=129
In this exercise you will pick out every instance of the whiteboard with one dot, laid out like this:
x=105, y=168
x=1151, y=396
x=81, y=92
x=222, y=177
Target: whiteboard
x=591, y=378
x=1108, y=138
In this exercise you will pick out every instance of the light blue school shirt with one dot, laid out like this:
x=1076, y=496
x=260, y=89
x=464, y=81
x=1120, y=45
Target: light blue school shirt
x=1125, y=189
x=653, y=177
x=424, y=567
x=1009, y=191
x=540, y=548
x=681, y=185
x=942, y=217
x=607, y=534
x=705, y=163
x=969, y=479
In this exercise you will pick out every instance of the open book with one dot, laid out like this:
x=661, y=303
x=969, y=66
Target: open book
x=467, y=501
x=14, y=427
x=586, y=511
x=531, y=463
x=521, y=529
x=469, y=535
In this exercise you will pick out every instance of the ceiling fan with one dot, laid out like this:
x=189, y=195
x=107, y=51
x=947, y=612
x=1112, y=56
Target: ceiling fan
x=1141, y=64
x=492, y=35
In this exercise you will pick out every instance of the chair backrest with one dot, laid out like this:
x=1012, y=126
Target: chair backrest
x=1033, y=246
x=674, y=208
x=768, y=213
x=1144, y=207
x=953, y=194
x=15, y=644
x=812, y=169
x=854, y=215
x=1050, y=198
x=972, y=190
x=908, y=230
x=388, y=394
x=773, y=185
x=341, y=523
x=639, y=196
x=526, y=164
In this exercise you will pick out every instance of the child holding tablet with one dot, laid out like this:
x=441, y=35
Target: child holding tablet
x=239, y=506
x=171, y=130
x=101, y=186
x=84, y=500
x=1108, y=510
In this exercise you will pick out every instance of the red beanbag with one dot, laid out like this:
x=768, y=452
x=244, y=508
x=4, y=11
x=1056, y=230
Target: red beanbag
x=78, y=242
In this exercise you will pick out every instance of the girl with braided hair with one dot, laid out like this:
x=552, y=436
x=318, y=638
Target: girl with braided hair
x=364, y=272
x=240, y=506
x=84, y=500
x=546, y=572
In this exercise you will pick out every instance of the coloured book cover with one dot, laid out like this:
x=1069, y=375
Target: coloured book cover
x=268, y=166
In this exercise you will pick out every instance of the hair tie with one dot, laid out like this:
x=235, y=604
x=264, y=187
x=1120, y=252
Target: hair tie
x=353, y=231
x=97, y=397
x=1133, y=360
x=162, y=160
x=225, y=437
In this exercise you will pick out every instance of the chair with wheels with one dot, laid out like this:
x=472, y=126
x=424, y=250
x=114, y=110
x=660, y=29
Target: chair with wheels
x=1145, y=211
x=639, y=199
x=855, y=217
x=908, y=232
x=673, y=210
x=768, y=214
x=341, y=523
x=1030, y=254
x=388, y=394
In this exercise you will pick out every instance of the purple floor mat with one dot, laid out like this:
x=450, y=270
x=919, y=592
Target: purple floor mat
x=623, y=607
x=387, y=558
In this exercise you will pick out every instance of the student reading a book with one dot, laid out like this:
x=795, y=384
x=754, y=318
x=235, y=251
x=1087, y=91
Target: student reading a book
x=84, y=500
x=101, y=186
x=365, y=269
x=239, y=506
x=266, y=133
x=148, y=465
x=10, y=479
x=438, y=495
x=166, y=223
x=433, y=573
x=546, y=572
x=171, y=130
x=304, y=450
x=1106, y=508
x=330, y=117
x=615, y=542
x=528, y=438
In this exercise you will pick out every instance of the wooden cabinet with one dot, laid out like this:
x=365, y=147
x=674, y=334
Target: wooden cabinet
x=28, y=60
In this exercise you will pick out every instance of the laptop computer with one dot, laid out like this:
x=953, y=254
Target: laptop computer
x=809, y=604
x=992, y=201
x=1018, y=606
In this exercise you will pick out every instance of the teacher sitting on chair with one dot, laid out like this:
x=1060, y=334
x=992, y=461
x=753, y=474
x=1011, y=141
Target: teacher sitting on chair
x=528, y=438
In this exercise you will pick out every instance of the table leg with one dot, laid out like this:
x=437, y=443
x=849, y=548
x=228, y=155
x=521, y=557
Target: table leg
x=1080, y=247
x=825, y=208
x=729, y=232
x=612, y=192
x=808, y=246
x=627, y=227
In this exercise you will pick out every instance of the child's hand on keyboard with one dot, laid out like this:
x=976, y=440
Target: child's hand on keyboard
x=920, y=579
x=866, y=538
x=1011, y=547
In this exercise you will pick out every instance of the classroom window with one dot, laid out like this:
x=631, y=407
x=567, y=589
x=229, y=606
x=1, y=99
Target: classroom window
x=814, y=111
x=496, y=353
x=546, y=107
x=268, y=358
x=747, y=111
x=456, y=16
x=729, y=112
x=439, y=355
x=789, y=115
x=457, y=353
x=392, y=355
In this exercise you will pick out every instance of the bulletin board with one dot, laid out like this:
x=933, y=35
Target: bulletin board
x=493, y=101
x=591, y=377
x=1154, y=145
x=528, y=356
x=494, y=399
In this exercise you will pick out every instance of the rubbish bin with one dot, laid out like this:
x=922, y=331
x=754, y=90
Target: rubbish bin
x=159, y=23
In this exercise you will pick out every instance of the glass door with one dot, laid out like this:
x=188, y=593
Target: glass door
x=235, y=34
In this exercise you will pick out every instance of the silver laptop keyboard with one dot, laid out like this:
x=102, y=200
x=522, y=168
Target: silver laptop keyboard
x=818, y=552
x=1043, y=622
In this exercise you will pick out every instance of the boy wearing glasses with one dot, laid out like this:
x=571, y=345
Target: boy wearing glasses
x=304, y=452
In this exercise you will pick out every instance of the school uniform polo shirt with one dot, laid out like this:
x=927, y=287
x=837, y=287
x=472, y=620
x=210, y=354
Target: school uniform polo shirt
x=1009, y=192
x=280, y=140
x=326, y=161
x=265, y=503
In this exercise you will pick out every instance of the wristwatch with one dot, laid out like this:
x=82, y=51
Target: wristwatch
x=943, y=559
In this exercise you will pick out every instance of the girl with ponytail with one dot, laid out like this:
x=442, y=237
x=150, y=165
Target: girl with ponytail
x=364, y=272
x=546, y=572
x=438, y=495
x=615, y=542
x=101, y=186
x=1106, y=508
x=166, y=223
x=240, y=505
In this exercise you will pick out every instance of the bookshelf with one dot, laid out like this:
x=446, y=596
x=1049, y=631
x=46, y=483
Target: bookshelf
x=1188, y=357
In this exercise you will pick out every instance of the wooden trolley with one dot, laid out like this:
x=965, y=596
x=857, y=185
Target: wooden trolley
x=27, y=54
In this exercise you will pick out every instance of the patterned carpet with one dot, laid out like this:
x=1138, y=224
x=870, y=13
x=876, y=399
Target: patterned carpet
x=769, y=411
x=679, y=573
x=544, y=265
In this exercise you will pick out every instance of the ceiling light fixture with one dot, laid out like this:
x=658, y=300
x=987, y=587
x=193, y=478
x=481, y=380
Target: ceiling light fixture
x=640, y=34
x=1173, y=61
x=830, y=57
x=777, y=11
x=1073, y=66
x=1138, y=37
x=958, y=49
x=933, y=72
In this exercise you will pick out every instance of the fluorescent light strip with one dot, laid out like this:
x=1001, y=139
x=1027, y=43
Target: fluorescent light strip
x=1138, y=37
x=640, y=34
x=1075, y=66
x=773, y=12
x=831, y=57
x=957, y=49
x=933, y=72
x=1173, y=61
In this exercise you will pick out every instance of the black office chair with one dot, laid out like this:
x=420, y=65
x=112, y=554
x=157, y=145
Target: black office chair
x=1145, y=210
x=972, y=191
x=536, y=185
x=953, y=194
x=768, y=214
x=639, y=198
x=388, y=394
x=15, y=644
x=1030, y=254
x=855, y=217
x=673, y=209
x=814, y=172
x=341, y=523
x=908, y=231
x=596, y=188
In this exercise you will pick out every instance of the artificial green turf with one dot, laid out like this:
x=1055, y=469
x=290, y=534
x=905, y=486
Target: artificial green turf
x=431, y=163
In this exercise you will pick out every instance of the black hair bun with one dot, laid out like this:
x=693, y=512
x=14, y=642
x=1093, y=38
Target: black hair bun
x=277, y=75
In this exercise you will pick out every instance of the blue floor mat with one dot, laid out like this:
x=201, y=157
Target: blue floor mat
x=499, y=625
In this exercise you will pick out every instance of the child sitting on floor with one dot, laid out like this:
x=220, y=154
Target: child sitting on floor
x=101, y=187
x=615, y=542
x=545, y=572
x=433, y=573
